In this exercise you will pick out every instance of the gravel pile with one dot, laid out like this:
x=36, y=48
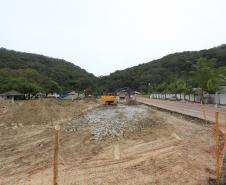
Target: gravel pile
x=110, y=122
x=102, y=129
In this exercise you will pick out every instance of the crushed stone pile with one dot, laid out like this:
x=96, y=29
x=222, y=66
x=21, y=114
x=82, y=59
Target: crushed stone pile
x=110, y=122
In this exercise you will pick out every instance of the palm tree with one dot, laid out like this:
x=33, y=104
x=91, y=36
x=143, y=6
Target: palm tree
x=207, y=77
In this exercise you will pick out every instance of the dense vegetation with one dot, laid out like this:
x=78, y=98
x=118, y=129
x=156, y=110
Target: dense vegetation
x=170, y=73
x=30, y=73
x=174, y=73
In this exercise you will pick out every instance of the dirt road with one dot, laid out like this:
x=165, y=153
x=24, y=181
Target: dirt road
x=160, y=149
x=191, y=109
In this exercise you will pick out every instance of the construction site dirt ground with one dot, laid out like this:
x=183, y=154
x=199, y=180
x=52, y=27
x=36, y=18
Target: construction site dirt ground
x=102, y=145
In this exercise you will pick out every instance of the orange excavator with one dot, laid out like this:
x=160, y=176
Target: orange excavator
x=108, y=99
x=111, y=98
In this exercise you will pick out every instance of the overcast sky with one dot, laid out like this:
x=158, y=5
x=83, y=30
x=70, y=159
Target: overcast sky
x=102, y=36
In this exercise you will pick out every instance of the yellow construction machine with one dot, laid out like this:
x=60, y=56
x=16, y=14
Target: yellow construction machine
x=108, y=99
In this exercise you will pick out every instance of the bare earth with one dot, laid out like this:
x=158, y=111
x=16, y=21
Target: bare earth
x=102, y=145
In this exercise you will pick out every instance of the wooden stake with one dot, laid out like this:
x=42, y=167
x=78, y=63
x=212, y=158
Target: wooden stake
x=217, y=150
x=29, y=175
x=225, y=129
x=56, y=156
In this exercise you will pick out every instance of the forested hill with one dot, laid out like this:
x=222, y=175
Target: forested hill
x=165, y=70
x=31, y=72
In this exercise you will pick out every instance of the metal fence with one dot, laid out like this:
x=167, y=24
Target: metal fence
x=208, y=98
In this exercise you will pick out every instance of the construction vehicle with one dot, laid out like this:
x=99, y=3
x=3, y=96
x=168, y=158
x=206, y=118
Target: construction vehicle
x=111, y=98
x=108, y=99
x=125, y=93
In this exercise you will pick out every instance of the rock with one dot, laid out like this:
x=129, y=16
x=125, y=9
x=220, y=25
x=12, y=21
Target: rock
x=15, y=127
x=108, y=123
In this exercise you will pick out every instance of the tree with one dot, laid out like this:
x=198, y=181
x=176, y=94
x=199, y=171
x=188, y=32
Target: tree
x=38, y=69
x=189, y=88
x=172, y=88
x=19, y=84
x=180, y=87
x=163, y=89
x=205, y=74
x=51, y=86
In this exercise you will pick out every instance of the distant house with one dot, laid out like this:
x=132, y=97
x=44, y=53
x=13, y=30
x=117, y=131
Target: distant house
x=12, y=95
x=136, y=93
x=73, y=93
x=53, y=95
x=40, y=95
x=70, y=96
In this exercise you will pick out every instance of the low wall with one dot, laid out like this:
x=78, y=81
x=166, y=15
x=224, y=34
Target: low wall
x=208, y=98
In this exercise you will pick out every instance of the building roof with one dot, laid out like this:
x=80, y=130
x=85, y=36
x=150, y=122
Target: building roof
x=12, y=93
x=72, y=93
x=136, y=92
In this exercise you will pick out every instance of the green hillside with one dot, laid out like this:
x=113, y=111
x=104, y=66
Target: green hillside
x=150, y=76
x=28, y=72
